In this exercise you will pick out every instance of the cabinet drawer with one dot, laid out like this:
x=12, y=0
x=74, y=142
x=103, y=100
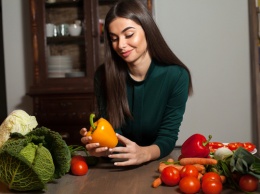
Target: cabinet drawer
x=63, y=110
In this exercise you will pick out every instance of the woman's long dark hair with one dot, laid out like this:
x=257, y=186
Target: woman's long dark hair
x=116, y=67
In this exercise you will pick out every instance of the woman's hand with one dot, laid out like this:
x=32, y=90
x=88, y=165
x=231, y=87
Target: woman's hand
x=132, y=154
x=93, y=148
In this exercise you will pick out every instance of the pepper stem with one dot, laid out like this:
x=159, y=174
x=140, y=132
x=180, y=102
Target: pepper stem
x=91, y=117
x=206, y=142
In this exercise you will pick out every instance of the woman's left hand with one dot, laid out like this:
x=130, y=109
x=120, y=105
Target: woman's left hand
x=131, y=154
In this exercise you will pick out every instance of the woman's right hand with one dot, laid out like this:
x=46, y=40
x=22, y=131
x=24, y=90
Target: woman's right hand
x=93, y=148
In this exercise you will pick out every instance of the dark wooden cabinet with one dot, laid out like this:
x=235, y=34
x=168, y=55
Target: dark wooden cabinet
x=61, y=101
x=64, y=65
x=255, y=68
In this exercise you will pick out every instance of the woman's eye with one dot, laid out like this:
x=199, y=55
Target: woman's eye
x=129, y=35
x=113, y=39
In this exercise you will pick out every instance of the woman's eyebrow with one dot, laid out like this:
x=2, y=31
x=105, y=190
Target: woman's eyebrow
x=127, y=28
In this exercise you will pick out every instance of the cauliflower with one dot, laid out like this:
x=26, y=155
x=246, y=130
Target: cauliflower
x=17, y=121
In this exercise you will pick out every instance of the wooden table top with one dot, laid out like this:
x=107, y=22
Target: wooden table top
x=105, y=178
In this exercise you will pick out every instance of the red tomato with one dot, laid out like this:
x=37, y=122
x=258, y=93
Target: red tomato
x=170, y=176
x=211, y=176
x=189, y=184
x=249, y=146
x=234, y=145
x=211, y=186
x=79, y=168
x=248, y=183
x=189, y=170
x=215, y=145
x=77, y=158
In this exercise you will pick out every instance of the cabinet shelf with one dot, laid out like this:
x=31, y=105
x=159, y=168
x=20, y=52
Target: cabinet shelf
x=64, y=4
x=66, y=40
x=106, y=2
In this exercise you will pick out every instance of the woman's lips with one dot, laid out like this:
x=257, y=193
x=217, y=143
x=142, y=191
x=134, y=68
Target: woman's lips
x=126, y=54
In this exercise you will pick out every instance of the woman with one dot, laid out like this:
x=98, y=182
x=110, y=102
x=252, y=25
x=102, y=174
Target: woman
x=141, y=89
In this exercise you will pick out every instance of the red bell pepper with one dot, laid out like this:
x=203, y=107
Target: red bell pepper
x=196, y=146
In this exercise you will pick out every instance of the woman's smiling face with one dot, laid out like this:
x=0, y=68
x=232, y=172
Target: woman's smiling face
x=128, y=40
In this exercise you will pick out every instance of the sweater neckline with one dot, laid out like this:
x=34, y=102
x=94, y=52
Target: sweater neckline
x=149, y=72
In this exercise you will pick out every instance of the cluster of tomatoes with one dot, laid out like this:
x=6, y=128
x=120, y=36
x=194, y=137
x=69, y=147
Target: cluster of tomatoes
x=78, y=165
x=189, y=182
x=232, y=146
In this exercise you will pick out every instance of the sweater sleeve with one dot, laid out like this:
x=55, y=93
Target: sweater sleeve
x=173, y=115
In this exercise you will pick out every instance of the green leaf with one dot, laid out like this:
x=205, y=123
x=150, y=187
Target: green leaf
x=255, y=167
x=224, y=168
x=244, y=162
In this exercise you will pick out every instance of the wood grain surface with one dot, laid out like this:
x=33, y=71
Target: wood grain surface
x=105, y=178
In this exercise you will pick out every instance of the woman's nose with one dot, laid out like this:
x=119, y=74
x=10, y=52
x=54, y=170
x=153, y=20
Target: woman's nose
x=121, y=43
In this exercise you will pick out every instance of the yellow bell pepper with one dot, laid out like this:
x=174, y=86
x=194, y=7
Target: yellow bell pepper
x=102, y=132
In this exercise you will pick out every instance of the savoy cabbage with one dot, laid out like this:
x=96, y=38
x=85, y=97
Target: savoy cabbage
x=17, y=171
x=58, y=148
x=28, y=162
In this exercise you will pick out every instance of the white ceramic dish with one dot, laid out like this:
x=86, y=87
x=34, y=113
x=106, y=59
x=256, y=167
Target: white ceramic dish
x=74, y=30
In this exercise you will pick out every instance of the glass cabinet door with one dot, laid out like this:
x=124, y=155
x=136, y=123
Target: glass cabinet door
x=65, y=44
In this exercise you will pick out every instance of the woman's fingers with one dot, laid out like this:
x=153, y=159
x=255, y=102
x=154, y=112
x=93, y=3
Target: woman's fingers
x=91, y=146
x=94, y=149
x=86, y=139
x=123, y=139
x=83, y=132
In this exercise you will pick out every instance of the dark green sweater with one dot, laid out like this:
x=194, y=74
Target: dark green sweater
x=157, y=105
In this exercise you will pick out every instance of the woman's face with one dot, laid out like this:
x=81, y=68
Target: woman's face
x=128, y=40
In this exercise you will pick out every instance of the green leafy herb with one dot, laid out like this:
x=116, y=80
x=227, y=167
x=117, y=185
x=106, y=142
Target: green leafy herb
x=244, y=162
x=240, y=163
